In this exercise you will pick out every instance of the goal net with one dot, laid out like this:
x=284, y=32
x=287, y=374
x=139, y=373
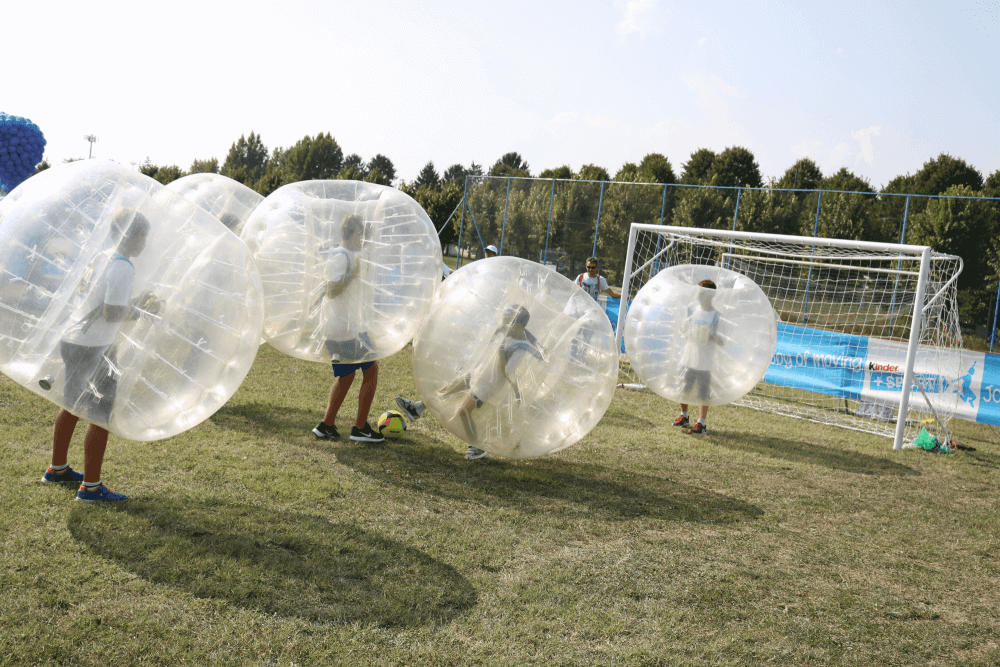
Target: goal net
x=868, y=333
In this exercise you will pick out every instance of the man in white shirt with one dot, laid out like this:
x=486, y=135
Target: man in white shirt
x=594, y=283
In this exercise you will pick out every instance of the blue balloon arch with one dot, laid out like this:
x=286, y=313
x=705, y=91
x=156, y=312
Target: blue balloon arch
x=21, y=147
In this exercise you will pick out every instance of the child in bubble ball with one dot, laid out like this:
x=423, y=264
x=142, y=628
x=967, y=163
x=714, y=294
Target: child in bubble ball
x=341, y=277
x=88, y=353
x=700, y=330
x=514, y=344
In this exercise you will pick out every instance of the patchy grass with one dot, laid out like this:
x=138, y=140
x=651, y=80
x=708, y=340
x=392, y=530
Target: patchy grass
x=248, y=542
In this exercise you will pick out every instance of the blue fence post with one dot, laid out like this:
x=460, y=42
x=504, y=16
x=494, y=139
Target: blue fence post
x=506, y=201
x=805, y=301
x=993, y=331
x=461, y=224
x=600, y=203
x=906, y=214
x=736, y=215
x=663, y=207
x=548, y=230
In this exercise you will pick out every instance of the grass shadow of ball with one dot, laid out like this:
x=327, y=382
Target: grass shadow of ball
x=845, y=460
x=544, y=484
x=282, y=563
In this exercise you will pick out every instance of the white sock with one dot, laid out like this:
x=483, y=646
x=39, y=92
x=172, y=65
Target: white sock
x=701, y=421
x=684, y=414
x=92, y=486
x=58, y=469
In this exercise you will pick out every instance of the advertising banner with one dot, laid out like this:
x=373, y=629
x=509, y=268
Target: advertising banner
x=871, y=370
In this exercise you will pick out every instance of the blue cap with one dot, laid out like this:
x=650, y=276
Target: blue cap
x=492, y=249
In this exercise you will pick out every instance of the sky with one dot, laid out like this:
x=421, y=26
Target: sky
x=877, y=87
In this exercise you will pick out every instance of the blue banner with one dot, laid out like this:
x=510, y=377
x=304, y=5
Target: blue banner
x=820, y=361
x=989, y=391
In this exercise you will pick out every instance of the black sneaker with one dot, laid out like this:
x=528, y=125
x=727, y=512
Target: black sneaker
x=324, y=432
x=366, y=434
x=681, y=421
x=698, y=429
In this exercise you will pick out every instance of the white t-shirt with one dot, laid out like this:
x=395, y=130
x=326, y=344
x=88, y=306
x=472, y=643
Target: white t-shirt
x=594, y=286
x=343, y=312
x=114, y=288
x=700, y=328
x=492, y=374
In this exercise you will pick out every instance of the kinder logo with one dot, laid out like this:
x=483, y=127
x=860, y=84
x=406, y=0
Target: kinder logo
x=886, y=368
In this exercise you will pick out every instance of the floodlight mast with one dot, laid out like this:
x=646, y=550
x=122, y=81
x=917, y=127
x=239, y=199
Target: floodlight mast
x=91, y=138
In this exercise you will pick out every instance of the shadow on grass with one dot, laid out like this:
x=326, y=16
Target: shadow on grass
x=277, y=562
x=541, y=484
x=798, y=452
x=545, y=484
x=263, y=419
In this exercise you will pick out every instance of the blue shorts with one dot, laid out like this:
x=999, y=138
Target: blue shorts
x=340, y=370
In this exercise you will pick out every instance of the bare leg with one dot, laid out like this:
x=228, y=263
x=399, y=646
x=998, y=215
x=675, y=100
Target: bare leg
x=455, y=387
x=703, y=411
x=62, y=435
x=338, y=392
x=464, y=413
x=369, y=383
x=95, y=441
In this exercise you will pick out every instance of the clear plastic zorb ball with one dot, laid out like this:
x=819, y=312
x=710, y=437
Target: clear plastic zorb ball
x=228, y=200
x=700, y=335
x=122, y=302
x=515, y=358
x=348, y=269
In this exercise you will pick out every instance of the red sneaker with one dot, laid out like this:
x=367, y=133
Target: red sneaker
x=698, y=429
x=681, y=421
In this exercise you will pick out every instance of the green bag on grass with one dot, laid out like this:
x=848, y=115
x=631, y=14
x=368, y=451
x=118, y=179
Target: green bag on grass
x=925, y=439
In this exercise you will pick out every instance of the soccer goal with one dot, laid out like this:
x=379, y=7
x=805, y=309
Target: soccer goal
x=868, y=333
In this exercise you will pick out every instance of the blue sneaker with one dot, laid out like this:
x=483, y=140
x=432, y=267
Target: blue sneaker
x=100, y=494
x=67, y=475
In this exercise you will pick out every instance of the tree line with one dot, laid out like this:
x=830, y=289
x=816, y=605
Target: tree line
x=951, y=211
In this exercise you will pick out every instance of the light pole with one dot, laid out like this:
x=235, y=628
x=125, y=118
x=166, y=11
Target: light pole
x=91, y=138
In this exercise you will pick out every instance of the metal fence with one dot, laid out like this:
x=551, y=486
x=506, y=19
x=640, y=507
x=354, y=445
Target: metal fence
x=560, y=223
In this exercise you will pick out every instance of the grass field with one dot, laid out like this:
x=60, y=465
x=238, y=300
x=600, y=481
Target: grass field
x=248, y=542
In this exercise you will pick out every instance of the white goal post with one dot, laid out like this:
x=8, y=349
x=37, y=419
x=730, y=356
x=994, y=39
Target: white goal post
x=868, y=333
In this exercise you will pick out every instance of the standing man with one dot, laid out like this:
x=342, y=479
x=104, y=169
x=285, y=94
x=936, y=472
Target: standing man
x=594, y=283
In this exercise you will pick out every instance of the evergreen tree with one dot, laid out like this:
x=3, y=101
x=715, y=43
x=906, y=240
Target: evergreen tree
x=210, y=166
x=355, y=162
x=455, y=172
x=387, y=171
x=510, y=164
x=319, y=158
x=246, y=161
x=428, y=176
